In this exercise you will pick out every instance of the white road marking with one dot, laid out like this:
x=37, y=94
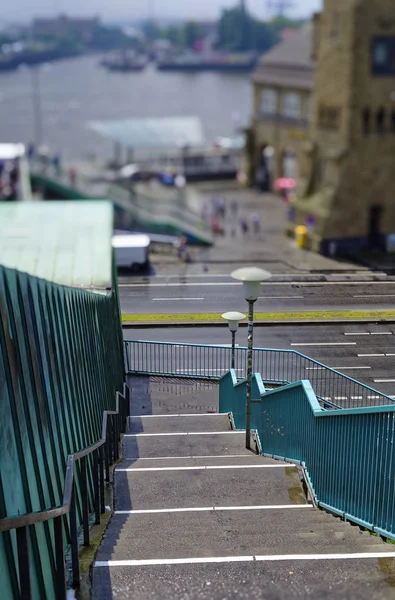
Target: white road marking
x=171, y=299
x=179, y=415
x=384, y=380
x=375, y=296
x=371, y=355
x=356, y=397
x=280, y=297
x=348, y=368
x=324, y=344
x=202, y=468
x=182, y=433
x=264, y=283
x=381, y=333
x=206, y=370
x=210, y=509
x=336, y=368
x=237, y=559
x=341, y=398
x=374, y=397
x=360, y=333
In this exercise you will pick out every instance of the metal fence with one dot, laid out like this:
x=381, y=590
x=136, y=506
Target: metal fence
x=275, y=366
x=61, y=366
x=348, y=455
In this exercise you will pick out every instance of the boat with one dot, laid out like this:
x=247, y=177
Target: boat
x=125, y=62
x=240, y=63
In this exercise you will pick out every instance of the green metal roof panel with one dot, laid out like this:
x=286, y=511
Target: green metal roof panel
x=69, y=243
x=152, y=133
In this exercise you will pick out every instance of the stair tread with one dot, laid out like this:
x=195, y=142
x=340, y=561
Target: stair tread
x=228, y=533
x=181, y=489
x=363, y=579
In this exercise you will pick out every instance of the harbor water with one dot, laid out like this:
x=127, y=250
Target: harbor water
x=74, y=91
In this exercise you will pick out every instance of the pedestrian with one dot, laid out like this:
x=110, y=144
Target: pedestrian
x=255, y=223
x=72, y=175
x=244, y=226
x=56, y=165
x=234, y=207
x=221, y=208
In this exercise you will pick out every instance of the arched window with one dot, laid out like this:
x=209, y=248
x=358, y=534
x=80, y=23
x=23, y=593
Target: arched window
x=393, y=121
x=380, y=121
x=366, y=121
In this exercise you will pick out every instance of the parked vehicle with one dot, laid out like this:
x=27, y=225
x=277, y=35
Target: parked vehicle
x=131, y=250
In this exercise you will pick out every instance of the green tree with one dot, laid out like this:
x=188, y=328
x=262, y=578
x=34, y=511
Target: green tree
x=190, y=34
x=238, y=31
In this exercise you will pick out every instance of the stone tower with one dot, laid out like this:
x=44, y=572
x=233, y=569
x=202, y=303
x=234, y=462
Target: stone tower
x=347, y=191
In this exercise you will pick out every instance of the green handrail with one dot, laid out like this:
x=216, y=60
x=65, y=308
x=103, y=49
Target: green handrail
x=347, y=454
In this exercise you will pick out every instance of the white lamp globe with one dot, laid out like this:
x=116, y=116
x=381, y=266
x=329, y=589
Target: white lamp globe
x=233, y=319
x=251, y=278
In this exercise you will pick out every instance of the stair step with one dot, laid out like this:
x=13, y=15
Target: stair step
x=174, y=423
x=184, y=445
x=229, y=487
x=228, y=533
x=357, y=578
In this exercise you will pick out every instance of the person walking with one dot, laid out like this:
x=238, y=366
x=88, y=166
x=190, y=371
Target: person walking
x=255, y=224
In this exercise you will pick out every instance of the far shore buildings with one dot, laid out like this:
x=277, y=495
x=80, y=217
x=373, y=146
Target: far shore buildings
x=324, y=113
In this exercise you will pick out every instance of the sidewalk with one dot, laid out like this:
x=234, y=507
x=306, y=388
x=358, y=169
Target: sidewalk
x=198, y=517
x=270, y=249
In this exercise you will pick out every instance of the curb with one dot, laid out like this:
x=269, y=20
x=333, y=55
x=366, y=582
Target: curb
x=306, y=323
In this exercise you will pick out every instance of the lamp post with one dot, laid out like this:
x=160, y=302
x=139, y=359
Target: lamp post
x=233, y=319
x=251, y=278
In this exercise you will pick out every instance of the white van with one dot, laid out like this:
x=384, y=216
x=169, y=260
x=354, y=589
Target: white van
x=131, y=250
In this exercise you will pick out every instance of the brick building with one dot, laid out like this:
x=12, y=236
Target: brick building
x=344, y=149
x=62, y=26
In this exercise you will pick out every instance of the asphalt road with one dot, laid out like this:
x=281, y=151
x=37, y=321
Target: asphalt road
x=364, y=352
x=216, y=294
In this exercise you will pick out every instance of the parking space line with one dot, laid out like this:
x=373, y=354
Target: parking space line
x=324, y=344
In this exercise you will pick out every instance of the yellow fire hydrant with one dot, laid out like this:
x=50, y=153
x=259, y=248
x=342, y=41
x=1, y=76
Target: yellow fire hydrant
x=301, y=236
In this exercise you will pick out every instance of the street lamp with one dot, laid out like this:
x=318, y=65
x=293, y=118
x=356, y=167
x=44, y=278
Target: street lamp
x=251, y=278
x=233, y=319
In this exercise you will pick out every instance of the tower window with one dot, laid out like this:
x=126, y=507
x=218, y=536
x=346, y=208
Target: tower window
x=291, y=106
x=393, y=121
x=268, y=105
x=366, y=121
x=380, y=121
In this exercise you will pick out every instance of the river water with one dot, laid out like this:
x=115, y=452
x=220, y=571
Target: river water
x=75, y=91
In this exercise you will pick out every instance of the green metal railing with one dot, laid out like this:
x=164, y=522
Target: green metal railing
x=348, y=455
x=61, y=367
x=277, y=367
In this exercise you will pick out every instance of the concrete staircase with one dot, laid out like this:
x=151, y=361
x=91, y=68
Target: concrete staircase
x=199, y=517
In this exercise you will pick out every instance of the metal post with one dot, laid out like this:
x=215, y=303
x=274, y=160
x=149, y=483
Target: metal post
x=23, y=563
x=85, y=501
x=233, y=348
x=37, y=107
x=60, y=582
x=249, y=371
x=74, y=541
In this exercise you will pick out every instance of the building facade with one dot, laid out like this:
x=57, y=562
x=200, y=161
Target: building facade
x=345, y=163
x=283, y=86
